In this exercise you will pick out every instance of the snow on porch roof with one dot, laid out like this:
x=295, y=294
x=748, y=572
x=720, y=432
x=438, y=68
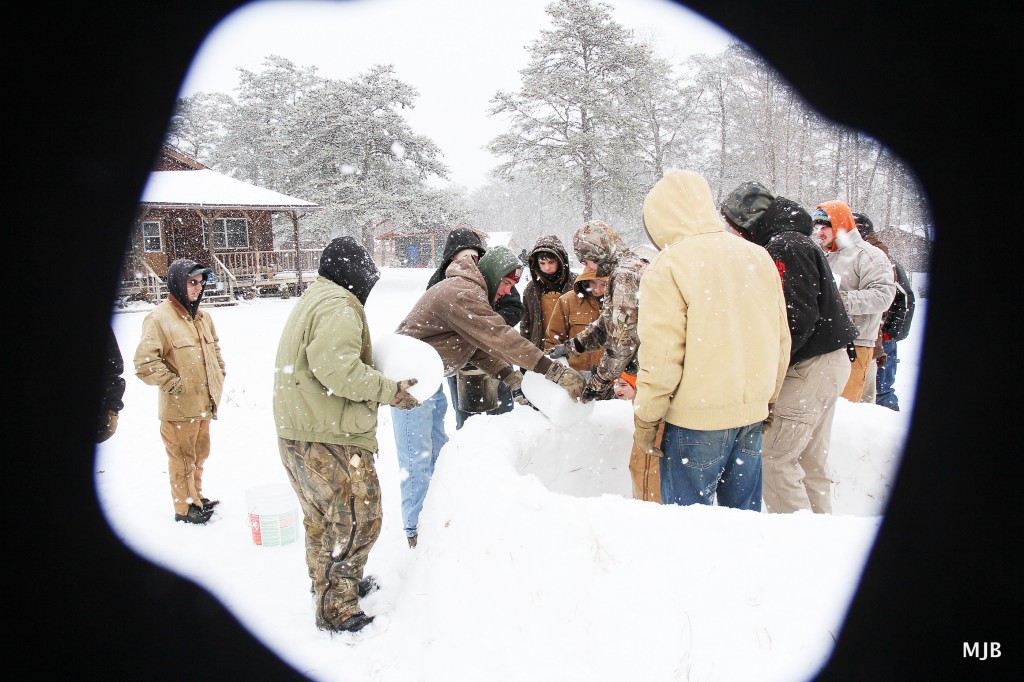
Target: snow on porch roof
x=208, y=188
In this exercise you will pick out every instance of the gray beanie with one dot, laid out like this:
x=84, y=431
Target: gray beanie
x=747, y=203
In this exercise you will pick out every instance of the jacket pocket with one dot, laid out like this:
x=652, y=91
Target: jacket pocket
x=183, y=342
x=358, y=417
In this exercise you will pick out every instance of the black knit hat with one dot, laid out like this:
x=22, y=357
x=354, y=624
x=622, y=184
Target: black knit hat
x=864, y=224
x=346, y=263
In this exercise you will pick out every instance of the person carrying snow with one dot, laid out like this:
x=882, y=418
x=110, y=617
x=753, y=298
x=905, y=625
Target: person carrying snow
x=603, y=252
x=463, y=242
x=326, y=394
x=457, y=318
x=179, y=352
x=794, y=450
x=714, y=348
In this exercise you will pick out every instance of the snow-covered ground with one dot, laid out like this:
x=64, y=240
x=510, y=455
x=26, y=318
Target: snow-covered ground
x=533, y=562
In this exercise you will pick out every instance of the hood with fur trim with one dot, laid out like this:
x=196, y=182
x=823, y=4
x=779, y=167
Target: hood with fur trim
x=553, y=245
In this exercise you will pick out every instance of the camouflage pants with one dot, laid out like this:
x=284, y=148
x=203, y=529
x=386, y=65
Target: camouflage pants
x=339, y=494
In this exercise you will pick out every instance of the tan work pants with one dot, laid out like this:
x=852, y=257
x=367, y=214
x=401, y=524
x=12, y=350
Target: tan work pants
x=794, y=451
x=188, y=446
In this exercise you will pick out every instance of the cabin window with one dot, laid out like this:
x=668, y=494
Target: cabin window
x=230, y=233
x=152, y=242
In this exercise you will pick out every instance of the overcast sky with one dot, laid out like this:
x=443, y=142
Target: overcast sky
x=456, y=53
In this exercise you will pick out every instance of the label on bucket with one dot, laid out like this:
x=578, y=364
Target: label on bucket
x=272, y=530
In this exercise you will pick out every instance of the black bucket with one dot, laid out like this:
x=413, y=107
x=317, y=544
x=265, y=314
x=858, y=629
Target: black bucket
x=478, y=390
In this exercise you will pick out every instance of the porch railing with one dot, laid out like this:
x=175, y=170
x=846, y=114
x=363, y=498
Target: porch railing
x=268, y=263
x=225, y=275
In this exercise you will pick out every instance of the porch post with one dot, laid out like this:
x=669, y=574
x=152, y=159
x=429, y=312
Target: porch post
x=298, y=253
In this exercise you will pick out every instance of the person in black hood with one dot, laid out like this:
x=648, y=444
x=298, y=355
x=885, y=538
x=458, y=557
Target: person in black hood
x=463, y=241
x=179, y=353
x=794, y=447
x=177, y=276
x=348, y=265
x=326, y=398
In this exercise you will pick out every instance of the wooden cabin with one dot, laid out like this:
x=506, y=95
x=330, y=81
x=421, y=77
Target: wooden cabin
x=190, y=211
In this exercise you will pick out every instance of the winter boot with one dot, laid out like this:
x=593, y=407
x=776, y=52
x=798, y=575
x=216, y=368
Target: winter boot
x=353, y=623
x=194, y=515
x=412, y=541
x=208, y=504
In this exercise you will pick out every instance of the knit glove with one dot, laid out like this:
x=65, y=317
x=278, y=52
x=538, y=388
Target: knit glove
x=569, y=349
x=515, y=383
x=567, y=378
x=767, y=423
x=644, y=435
x=107, y=426
x=403, y=400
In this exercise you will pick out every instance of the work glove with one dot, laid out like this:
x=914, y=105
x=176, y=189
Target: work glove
x=176, y=387
x=644, y=436
x=515, y=383
x=403, y=400
x=567, y=378
x=107, y=426
x=569, y=349
x=881, y=360
x=767, y=423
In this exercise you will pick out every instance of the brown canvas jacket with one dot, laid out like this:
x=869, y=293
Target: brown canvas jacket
x=573, y=311
x=456, y=319
x=175, y=348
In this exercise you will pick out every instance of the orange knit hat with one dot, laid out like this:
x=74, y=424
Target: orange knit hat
x=629, y=379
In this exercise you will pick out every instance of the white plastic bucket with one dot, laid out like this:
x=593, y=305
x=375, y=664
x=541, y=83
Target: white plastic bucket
x=273, y=514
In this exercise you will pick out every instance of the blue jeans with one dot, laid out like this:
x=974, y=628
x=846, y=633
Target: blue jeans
x=885, y=380
x=700, y=465
x=419, y=437
x=505, y=401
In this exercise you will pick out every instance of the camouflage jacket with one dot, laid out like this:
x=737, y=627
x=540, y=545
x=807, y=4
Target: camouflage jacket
x=615, y=329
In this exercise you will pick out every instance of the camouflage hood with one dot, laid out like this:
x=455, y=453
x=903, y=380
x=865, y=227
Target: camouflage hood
x=597, y=241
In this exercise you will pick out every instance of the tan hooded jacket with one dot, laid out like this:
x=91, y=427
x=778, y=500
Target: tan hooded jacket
x=574, y=310
x=714, y=336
